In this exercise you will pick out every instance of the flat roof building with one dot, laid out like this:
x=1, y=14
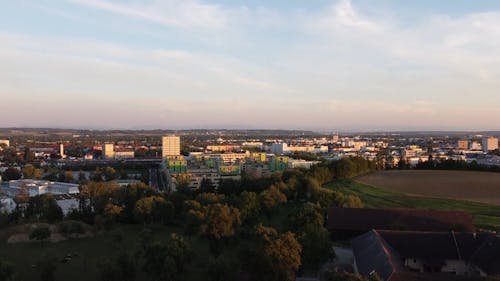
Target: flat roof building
x=489, y=144
x=170, y=146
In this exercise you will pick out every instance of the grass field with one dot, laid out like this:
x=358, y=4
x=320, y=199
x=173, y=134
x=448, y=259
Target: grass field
x=485, y=216
x=90, y=251
x=481, y=187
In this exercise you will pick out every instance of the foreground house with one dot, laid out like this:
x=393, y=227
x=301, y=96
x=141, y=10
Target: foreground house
x=437, y=255
x=346, y=223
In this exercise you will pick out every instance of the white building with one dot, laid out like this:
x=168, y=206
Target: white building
x=489, y=144
x=171, y=146
x=300, y=163
x=38, y=187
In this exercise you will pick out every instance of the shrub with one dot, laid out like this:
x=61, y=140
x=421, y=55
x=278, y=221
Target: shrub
x=40, y=232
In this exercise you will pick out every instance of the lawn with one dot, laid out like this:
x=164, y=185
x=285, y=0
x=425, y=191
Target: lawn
x=90, y=250
x=485, y=216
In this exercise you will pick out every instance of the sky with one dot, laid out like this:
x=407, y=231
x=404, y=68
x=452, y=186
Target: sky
x=360, y=65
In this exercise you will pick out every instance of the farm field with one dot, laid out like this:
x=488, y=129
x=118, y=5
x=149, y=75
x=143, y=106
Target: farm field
x=474, y=186
x=485, y=216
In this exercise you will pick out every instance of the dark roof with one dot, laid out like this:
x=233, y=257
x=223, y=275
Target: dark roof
x=384, y=252
x=372, y=254
x=487, y=257
x=364, y=219
x=417, y=276
x=434, y=245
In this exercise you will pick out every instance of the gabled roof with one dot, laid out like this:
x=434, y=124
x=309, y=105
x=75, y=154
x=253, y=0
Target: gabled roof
x=384, y=252
x=487, y=257
x=372, y=254
x=364, y=219
x=434, y=245
x=417, y=276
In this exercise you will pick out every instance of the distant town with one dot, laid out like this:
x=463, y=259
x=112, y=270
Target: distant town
x=207, y=200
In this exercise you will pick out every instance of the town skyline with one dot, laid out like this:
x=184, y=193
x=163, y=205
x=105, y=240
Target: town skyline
x=327, y=65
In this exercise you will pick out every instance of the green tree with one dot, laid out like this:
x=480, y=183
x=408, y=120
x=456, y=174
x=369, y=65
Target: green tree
x=317, y=246
x=271, y=198
x=44, y=207
x=221, y=221
x=167, y=261
x=306, y=214
x=249, y=205
x=277, y=256
x=110, y=174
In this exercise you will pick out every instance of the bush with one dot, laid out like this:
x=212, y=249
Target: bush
x=71, y=227
x=40, y=232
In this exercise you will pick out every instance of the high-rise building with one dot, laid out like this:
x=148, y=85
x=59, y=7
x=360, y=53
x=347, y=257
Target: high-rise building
x=170, y=146
x=61, y=150
x=108, y=151
x=463, y=144
x=489, y=144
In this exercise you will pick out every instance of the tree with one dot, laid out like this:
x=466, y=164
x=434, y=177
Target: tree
x=11, y=174
x=271, y=198
x=276, y=256
x=82, y=178
x=28, y=155
x=167, y=261
x=306, y=214
x=44, y=207
x=207, y=185
x=249, y=205
x=350, y=201
x=221, y=221
x=317, y=246
x=110, y=174
x=154, y=209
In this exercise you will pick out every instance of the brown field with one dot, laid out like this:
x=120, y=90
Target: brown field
x=465, y=185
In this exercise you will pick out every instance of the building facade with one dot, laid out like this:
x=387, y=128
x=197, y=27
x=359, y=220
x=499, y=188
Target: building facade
x=171, y=146
x=489, y=144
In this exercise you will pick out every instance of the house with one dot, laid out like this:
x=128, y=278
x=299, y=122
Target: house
x=395, y=254
x=346, y=223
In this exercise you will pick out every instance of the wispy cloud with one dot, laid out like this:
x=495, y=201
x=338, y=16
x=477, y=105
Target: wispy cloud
x=185, y=14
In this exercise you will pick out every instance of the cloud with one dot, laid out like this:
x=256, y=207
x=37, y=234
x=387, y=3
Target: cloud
x=171, y=13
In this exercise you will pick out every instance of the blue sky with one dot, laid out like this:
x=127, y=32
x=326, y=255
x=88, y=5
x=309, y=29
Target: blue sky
x=321, y=65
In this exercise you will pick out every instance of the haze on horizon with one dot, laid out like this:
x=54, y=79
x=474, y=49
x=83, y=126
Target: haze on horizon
x=340, y=65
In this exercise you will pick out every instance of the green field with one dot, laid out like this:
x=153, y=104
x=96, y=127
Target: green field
x=485, y=216
x=90, y=251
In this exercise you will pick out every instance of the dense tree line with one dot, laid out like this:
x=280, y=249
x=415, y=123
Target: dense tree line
x=450, y=164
